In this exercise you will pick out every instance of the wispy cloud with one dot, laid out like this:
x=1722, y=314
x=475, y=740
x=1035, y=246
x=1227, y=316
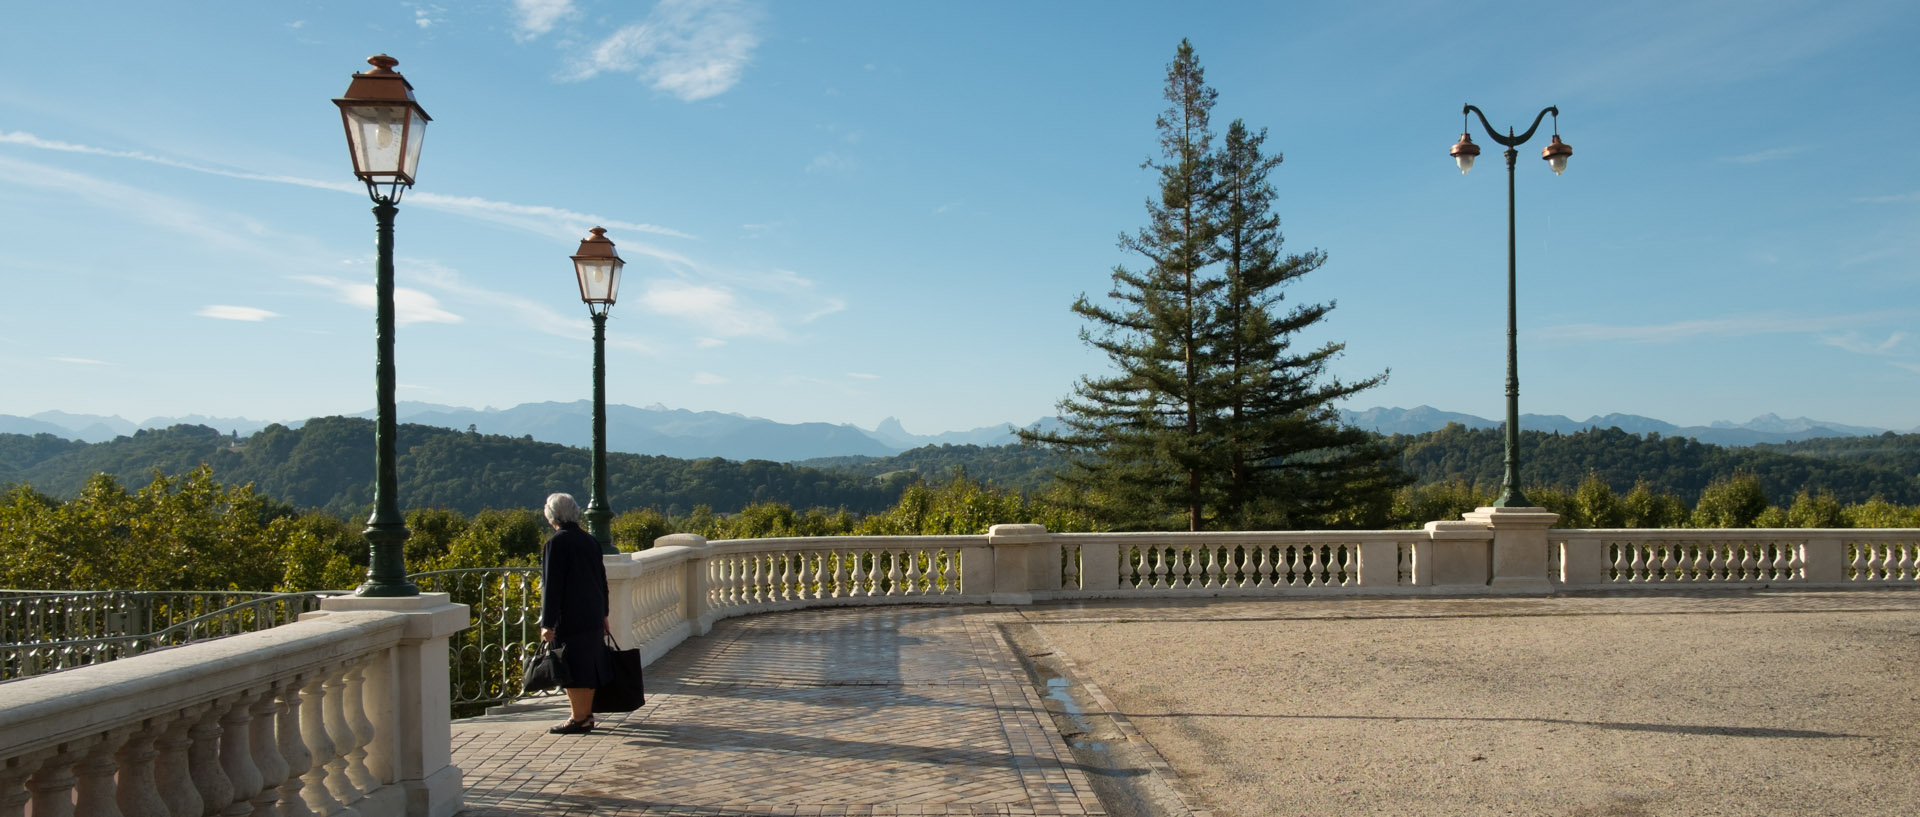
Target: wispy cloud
x=1898, y=198
x=715, y=309
x=708, y=379
x=692, y=49
x=1911, y=367
x=1853, y=342
x=863, y=376
x=1727, y=327
x=532, y=18
x=80, y=361
x=831, y=162
x=410, y=306
x=236, y=313
x=540, y=219
x=1758, y=156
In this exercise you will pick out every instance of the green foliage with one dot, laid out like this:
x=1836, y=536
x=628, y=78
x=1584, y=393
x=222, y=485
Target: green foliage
x=1416, y=505
x=184, y=531
x=1735, y=502
x=637, y=529
x=1812, y=510
x=1642, y=508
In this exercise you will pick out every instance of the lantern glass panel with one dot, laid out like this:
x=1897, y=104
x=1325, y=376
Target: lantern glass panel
x=378, y=135
x=416, y=133
x=599, y=279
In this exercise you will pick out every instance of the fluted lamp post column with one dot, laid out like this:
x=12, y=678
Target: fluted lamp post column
x=384, y=130
x=1556, y=153
x=598, y=268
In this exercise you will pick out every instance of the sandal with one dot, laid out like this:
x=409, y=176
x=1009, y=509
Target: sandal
x=572, y=727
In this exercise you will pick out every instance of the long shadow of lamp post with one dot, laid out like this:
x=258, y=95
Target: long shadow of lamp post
x=384, y=129
x=1556, y=153
x=598, y=268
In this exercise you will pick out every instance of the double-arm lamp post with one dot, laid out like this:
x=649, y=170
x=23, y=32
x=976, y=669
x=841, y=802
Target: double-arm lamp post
x=384, y=129
x=598, y=268
x=1556, y=153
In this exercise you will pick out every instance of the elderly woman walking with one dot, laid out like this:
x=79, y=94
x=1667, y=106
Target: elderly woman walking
x=573, y=609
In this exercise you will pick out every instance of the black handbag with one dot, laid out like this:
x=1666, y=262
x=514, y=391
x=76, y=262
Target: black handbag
x=544, y=668
x=627, y=691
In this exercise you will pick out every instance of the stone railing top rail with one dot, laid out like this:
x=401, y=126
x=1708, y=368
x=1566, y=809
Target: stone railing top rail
x=47, y=710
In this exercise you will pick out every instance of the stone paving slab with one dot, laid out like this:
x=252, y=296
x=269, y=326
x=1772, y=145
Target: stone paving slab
x=917, y=711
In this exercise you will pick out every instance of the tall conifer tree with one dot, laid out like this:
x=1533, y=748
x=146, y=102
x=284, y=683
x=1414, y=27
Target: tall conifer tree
x=1211, y=417
x=1144, y=427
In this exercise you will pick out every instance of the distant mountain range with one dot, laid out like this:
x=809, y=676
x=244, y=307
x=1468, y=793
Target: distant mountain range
x=681, y=433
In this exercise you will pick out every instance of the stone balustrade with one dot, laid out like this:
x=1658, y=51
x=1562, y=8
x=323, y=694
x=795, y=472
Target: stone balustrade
x=684, y=583
x=343, y=712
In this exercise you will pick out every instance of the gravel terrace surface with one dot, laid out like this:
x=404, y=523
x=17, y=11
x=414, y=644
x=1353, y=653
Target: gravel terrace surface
x=1731, y=705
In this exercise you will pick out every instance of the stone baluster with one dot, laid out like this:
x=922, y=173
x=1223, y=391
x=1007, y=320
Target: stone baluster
x=267, y=759
x=203, y=759
x=896, y=577
x=313, y=730
x=93, y=791
x=236, y=755
x=138, y=793
x=173, y=771
x=339, y=781
x=293, y=748
x=13, y=784
x=52, y=784
x=355, y=711
x=841, y=574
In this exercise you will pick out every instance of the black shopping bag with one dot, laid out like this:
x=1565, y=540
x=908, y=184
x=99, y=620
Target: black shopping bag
x=544, y=668
x=626, y=692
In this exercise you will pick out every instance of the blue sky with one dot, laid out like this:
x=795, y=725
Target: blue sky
x=842, y=211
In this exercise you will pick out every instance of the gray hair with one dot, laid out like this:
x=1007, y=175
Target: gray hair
x=561, y=509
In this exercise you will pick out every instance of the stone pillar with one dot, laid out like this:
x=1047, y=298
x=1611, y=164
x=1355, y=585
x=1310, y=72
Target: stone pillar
x=409, y=702
x=693, y=579
x=1014, y=563
x=622, y=572
x=1519, y=547
x=1824, y=558
x=1379, y=565
x=1099, y=567
x=1459, y=557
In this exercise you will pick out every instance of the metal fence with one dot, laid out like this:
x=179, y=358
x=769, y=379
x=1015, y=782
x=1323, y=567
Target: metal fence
x=47, y=631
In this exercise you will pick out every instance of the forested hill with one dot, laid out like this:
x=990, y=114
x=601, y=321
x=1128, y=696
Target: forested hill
x=328, y=464
x=1027, y=469
x=1851, y=470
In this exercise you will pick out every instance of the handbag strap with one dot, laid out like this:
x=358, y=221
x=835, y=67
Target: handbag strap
x=612, y=644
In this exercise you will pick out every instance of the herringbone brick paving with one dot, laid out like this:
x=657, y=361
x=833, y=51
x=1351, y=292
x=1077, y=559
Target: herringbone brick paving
x=899, y=711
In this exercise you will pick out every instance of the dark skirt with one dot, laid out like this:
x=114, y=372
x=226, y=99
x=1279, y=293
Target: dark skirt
x=587, y=661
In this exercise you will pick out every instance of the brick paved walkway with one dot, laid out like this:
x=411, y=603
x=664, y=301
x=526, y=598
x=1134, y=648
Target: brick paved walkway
x=904, y=710
x=862, y=711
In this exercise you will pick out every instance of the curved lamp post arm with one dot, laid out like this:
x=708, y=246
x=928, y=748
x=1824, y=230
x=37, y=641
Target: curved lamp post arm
x=1510, y=140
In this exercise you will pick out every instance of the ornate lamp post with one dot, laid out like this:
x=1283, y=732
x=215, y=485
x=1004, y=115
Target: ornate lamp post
x=384, y=129
x=1556, y=153
x=598, y=268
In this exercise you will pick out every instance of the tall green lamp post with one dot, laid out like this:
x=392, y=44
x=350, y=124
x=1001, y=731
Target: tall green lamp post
x=1556, y=153
x=598, y=268
x=384, y=129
